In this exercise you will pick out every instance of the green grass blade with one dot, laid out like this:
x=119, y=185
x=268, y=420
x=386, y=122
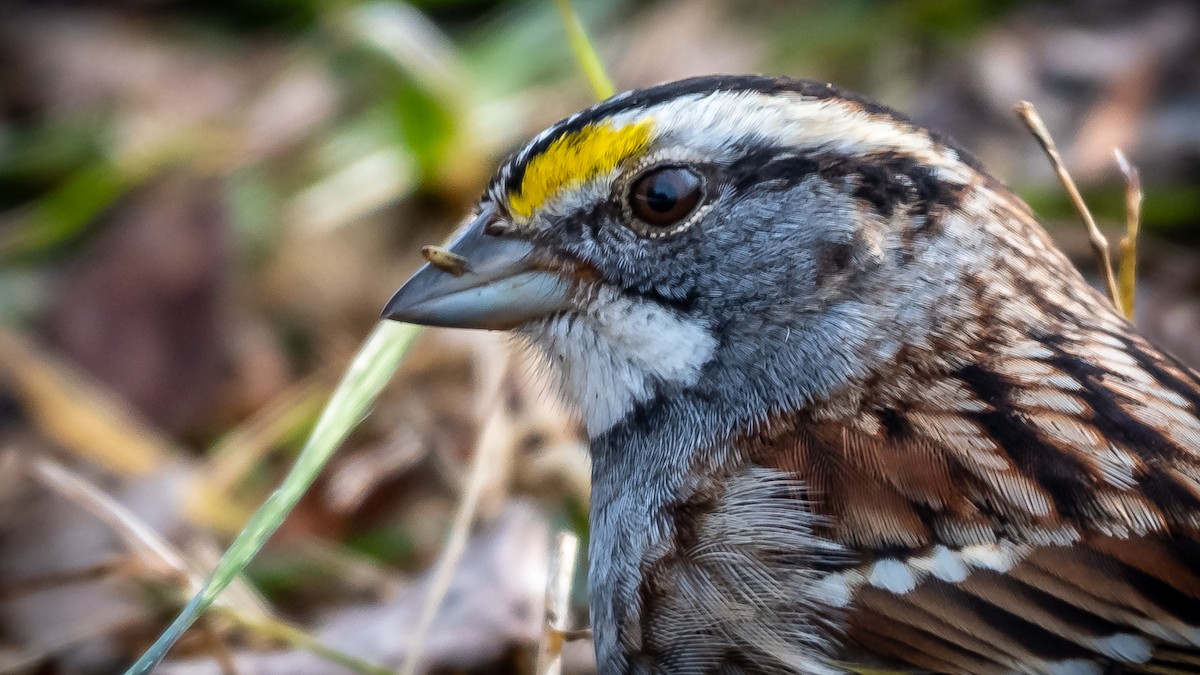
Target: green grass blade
x=66, y=211
x=369, y=371
x=585, y=53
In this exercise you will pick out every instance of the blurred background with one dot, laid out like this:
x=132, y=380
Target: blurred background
x=204, y=205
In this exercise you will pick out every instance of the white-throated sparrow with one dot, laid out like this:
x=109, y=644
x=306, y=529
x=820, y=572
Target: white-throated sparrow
x=850, y=409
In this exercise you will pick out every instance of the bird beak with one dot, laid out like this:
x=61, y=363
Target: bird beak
x=485, y=281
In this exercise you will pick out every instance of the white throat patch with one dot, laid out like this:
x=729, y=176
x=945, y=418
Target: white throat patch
x=610, y=358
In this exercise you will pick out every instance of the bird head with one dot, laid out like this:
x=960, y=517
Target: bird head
x=777, y=238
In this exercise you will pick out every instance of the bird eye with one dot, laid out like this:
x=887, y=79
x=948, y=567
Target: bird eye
x=664, y=196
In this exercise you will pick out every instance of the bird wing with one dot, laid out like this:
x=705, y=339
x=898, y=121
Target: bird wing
x=1035, y=511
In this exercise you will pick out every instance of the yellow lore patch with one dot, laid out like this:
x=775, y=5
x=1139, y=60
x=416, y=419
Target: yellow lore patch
x=574, y=159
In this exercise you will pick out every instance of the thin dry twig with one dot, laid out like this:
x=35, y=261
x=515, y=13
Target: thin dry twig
x=1037, y=127
x=558, y=604
x=444, y=573
x=243, y=607
x=1127, y=266
x=152, y=553
x=156, y=555
x=11, y=590
x=490, y=453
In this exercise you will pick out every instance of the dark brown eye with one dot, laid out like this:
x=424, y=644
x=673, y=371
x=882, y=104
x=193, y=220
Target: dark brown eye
x=665, y=196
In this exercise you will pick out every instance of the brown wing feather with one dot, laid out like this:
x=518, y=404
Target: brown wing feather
x=1062, y=479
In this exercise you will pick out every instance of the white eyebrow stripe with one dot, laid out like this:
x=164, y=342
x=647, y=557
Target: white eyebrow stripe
x=723, y=122
x=721, y=125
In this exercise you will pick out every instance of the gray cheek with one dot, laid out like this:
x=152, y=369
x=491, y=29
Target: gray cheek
x=751, y=255
x=771, y=246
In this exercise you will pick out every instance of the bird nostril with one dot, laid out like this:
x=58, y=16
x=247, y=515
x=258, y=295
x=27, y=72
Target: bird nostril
x=496, y=226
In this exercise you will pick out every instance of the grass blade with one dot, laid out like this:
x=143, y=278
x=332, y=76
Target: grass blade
x=369, y=371
x=585, y=53
x=1127, y=267
x=1033, y=121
